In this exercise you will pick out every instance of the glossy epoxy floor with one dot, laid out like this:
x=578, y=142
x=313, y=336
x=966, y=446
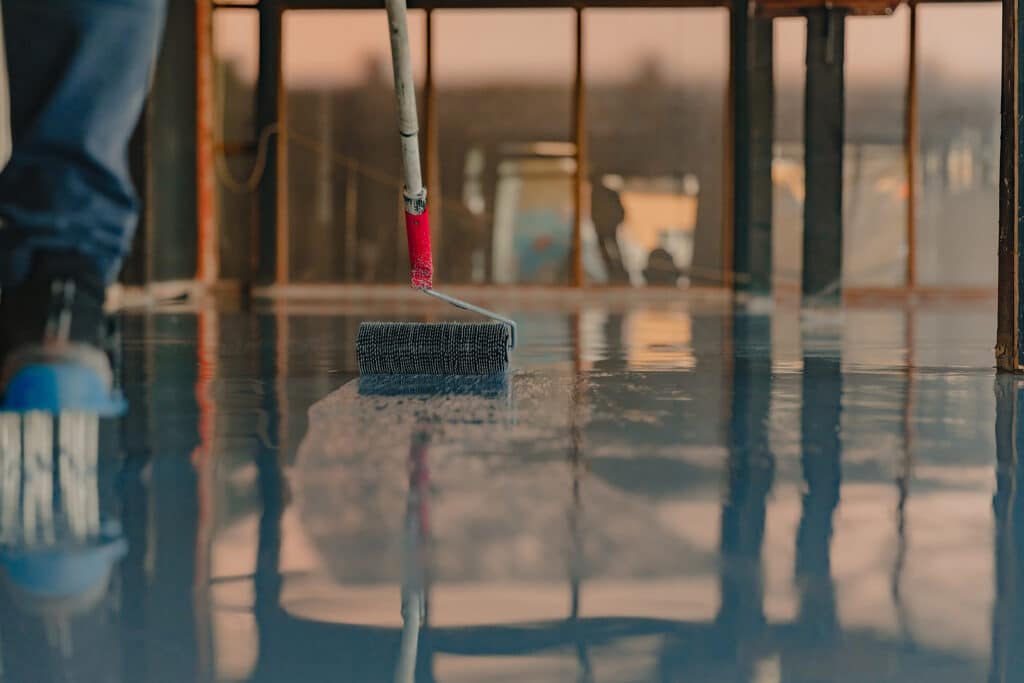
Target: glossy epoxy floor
x=659, y=492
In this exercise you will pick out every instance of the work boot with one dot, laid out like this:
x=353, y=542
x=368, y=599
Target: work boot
x=54, y=341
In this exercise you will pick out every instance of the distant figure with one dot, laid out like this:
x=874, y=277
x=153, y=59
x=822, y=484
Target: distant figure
x=661, y=269
x=608, y=214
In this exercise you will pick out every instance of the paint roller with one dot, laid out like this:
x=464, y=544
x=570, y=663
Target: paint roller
x=448, y=348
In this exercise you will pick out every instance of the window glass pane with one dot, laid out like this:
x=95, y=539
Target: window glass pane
x=504, y=105
x=656, y=109
x=790, y=44
x=958, y=164
x=344, y=160
x=236, y=53
x=874, y=162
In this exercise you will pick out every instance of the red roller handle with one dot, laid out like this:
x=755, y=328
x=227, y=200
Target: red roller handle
x=421, y=261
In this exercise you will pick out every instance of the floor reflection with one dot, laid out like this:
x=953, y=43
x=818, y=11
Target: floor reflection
x=734, y=496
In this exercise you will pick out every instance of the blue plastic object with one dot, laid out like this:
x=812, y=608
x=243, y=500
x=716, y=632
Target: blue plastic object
x=62, y=572
x=61, y=387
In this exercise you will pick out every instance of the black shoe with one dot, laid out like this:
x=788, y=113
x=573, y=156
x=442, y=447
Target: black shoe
x=55, y=317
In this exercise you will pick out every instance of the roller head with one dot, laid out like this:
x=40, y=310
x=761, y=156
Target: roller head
x=433, y=348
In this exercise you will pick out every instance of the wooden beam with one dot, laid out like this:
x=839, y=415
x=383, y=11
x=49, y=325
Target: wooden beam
x=824, y=133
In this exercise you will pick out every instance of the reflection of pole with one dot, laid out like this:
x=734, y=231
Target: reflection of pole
x=134, y=490
x=816, y=624
x=412, y=618
x=133, y=487
x=903, y=484
x=576, y=558
x=267, y=582
x=202, y=460
x=751, y=469
x=414, y=561
x=821, y=407
x=1007, y=663
x=174, y=519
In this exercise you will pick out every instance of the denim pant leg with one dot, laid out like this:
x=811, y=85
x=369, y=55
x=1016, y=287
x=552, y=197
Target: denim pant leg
x=79, y=72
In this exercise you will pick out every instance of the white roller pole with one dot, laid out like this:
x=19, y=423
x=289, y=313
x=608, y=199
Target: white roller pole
x=405, y=93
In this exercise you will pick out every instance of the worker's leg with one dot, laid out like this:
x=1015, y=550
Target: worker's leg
x=79, y=70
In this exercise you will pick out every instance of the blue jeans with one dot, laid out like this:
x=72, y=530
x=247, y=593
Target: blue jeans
x=79, y=72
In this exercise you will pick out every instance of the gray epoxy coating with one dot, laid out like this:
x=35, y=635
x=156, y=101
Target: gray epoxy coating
x=657, y=493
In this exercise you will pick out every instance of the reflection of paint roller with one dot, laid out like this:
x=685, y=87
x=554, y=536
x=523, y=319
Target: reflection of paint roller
x=358, y=449
x=414, y=557
x=483, y=386
x=416, y=527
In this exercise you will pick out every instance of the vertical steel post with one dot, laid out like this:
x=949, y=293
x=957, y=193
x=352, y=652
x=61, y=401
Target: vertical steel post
x=171, y=205
x=1009, y=318
x=272, y=243
x=824, y=133
x=753, y=122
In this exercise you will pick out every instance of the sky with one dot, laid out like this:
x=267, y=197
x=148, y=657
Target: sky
x=331, y=47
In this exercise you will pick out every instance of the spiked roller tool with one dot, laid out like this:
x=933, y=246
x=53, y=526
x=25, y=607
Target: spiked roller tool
x=449, y=348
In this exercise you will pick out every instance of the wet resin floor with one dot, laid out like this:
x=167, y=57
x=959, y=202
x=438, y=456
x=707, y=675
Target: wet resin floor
x=657, y=492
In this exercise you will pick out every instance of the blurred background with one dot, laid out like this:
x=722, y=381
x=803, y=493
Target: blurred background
x=500, y=111
x=501, y=119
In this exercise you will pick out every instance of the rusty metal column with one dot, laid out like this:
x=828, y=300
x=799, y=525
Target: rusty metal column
x=1009, y=354
x=208, y=256
x=753, y=122
x=824, y=134
x=272, y=255
x=580, y=179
